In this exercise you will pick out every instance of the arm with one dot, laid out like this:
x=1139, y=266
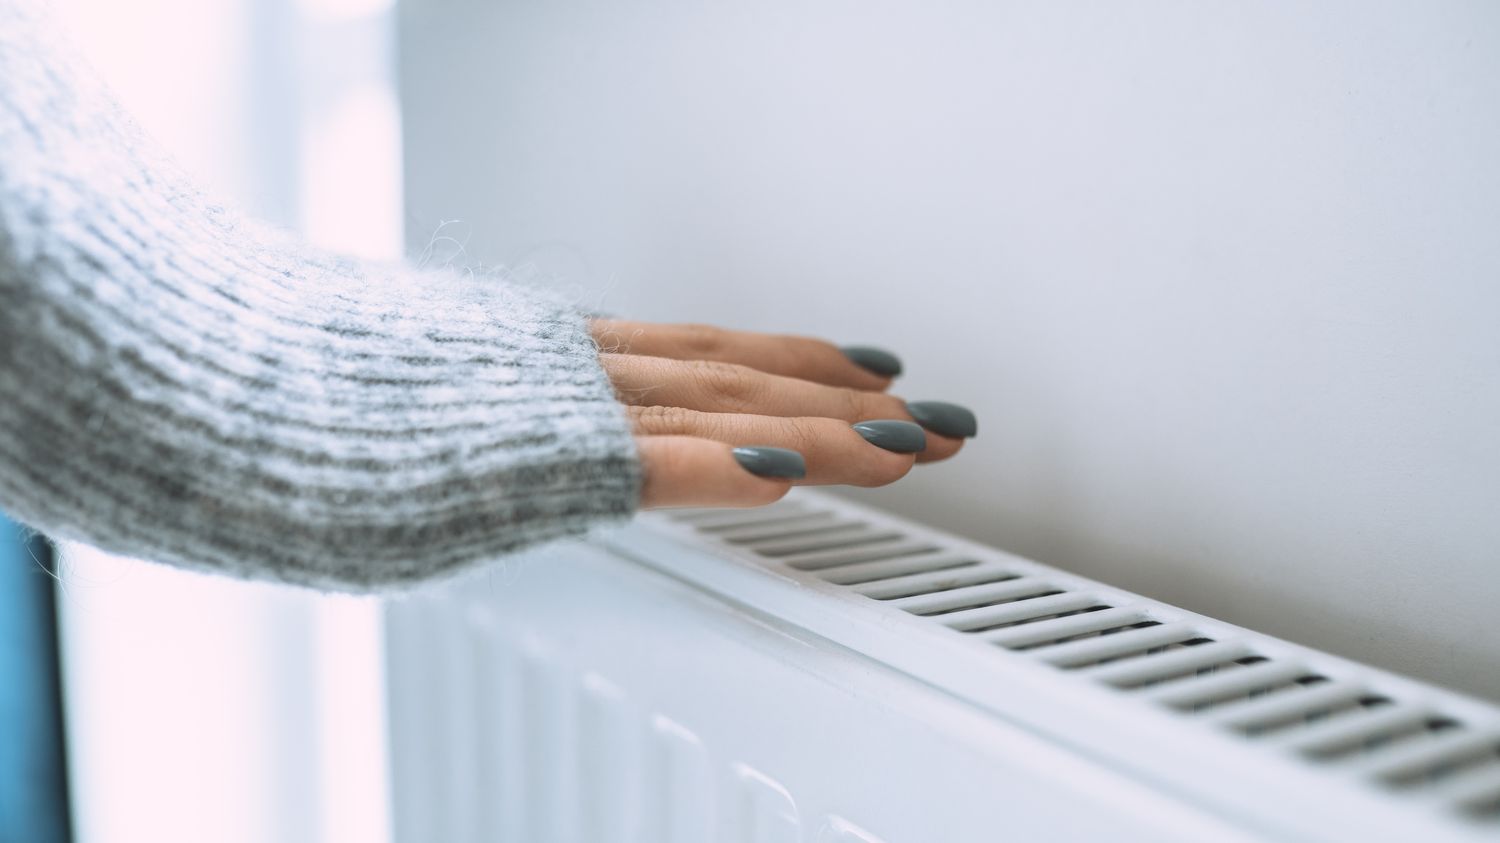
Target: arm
x=182, y=385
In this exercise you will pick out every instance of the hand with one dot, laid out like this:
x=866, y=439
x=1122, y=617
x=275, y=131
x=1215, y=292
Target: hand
x=732, y=418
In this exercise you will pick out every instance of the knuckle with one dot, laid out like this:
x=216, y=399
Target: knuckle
x=662, y=420
x=731, y=386
x=856, y=404
x=702, y=339
x=792, y=346
x=805, y=434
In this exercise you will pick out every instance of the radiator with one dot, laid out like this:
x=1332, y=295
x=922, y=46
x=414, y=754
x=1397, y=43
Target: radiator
x=821, y=671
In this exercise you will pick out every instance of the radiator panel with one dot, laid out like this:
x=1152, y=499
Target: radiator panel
x=579, y=697
x=820, y=670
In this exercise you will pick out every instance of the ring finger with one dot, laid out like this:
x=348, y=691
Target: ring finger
x=835, y=451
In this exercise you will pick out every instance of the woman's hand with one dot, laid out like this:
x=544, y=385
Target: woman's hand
x=732, y=418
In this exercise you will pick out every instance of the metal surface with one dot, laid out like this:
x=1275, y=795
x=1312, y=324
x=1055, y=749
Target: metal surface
x=674, y=683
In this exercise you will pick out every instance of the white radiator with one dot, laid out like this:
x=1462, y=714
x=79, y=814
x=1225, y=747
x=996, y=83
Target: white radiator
x=819, y=671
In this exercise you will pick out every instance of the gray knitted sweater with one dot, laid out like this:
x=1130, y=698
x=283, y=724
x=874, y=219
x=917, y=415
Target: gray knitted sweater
x=183, y=385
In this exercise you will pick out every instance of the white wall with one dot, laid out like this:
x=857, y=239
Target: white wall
x=1222, y=282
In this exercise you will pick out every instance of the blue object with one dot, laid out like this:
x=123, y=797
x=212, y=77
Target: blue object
x=33, y=767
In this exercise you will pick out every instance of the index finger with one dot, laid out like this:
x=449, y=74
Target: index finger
x=804, y=358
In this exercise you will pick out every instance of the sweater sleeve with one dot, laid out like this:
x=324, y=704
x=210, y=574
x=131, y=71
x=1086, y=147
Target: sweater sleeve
x=185, y=386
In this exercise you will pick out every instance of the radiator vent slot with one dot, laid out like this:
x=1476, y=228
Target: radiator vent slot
x=937, y=579
x=1129, y=646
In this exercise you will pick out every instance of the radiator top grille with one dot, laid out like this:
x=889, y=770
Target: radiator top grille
x=1411, y=748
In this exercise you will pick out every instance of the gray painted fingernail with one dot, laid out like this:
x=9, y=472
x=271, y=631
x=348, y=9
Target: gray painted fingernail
x=877, y=360
x=943, y=418
x=897, y=435
x=772, y=462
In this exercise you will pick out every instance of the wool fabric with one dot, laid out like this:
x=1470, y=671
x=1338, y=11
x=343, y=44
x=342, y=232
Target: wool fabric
x=184, y=385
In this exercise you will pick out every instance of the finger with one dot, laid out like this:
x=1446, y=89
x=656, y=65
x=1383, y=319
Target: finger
x=685, y=471
x=834, y=451
x=714, y=387
x=797, y=357
x=939, y=448
x=728, y=388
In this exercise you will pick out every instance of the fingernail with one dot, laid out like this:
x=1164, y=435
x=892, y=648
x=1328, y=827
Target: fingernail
x=897, y=435
x=943, y=418
x=772, y=462
x=877, y=360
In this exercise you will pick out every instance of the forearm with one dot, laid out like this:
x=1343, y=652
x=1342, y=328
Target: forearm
x=184, y=386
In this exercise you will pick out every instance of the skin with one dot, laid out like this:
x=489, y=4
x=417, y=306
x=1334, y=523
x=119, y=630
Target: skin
x=694, y=392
